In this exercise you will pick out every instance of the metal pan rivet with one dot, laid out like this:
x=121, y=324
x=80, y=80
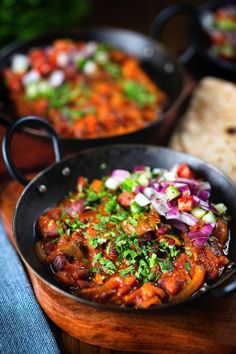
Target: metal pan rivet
x=148, y=52
x=168, y=68
x=42, y=188
x=66, y=171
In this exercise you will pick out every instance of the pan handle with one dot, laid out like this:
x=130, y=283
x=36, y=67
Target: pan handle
x=161, y=19
x=7, y=139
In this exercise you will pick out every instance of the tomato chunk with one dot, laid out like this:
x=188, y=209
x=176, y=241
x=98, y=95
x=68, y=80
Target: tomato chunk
x=126, y=198
x=184, y=171
x=185, y=203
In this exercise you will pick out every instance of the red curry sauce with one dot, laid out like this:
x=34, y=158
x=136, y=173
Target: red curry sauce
x=86, y=90
x=107, y=243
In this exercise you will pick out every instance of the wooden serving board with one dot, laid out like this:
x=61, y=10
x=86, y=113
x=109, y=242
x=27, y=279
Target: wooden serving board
x=208, y=327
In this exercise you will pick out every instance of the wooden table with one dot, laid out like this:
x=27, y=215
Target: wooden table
x=205, y=328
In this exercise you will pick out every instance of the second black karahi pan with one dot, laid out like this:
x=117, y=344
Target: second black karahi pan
x=51, y=185
x=157, y=62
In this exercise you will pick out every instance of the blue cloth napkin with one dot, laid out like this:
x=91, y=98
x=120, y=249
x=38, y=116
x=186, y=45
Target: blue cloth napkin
x=23, y=327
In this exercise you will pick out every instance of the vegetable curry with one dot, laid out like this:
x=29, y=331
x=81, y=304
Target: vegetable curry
x=86, y=90
x=139, y=238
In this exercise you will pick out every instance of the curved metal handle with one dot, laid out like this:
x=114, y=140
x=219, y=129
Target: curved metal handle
x=161, y=19
x=6, y=144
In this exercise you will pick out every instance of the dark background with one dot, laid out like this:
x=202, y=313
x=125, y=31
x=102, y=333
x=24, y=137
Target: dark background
x=25, y=19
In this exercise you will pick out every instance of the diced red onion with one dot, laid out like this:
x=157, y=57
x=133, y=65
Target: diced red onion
x=179, y=225
x=141, y=200
x=138, y=189
x=199, y=237
x=139, y=168
x=160, y=206
x=149, y=192
x=120, y=174
x=199, y=242
x=172, y=213
x=204, y=204
x=112, y=183
x=190, y=182
x=188, y=219
x=203, y=194
x=155, y=185
x=56, y=78
x=184, y=189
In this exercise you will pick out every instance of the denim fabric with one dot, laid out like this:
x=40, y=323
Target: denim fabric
x=23, y=327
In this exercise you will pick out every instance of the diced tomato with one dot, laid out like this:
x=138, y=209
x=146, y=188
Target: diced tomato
x=13, y=80
x=125, y=199
x=184, y=171
x=63, y=45
x=185, y=203
x=96, y=185
x=81, y=183
x=36, y=54
x=43, y=66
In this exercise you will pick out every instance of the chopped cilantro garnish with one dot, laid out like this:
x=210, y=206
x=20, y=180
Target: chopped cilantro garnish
x=135, y=208
x=55, y=240
x=121, y=216
x=97, y=241
x=108, y=266
x=138, y=93
x=153, y=260
x=189, y=253
x=99, y=227
x=127, y=271
x=132, y=221
x=143, y=269
x=166, y=266
x=128, y=185
x=93, y=196
x=93, y=270
x=187, y=266
x=97, y=257
x=103, y=219
x=112, y=205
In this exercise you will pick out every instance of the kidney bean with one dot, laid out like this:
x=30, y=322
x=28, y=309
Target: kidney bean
x=113, y=254
x=80, y=274
x=144, y=239
x=162, y=230
x=59, y=262
x=76, y=207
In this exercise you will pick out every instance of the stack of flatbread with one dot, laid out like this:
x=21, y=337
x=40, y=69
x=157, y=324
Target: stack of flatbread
x=208, y=129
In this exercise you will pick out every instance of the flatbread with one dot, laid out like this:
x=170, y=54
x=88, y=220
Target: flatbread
x=208, y=129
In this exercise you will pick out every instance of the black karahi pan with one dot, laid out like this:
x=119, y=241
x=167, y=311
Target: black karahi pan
x=51, y=185
x=157, y=62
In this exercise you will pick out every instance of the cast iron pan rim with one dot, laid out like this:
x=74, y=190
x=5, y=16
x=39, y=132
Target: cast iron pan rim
x=161, y=116
x=103, y=306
